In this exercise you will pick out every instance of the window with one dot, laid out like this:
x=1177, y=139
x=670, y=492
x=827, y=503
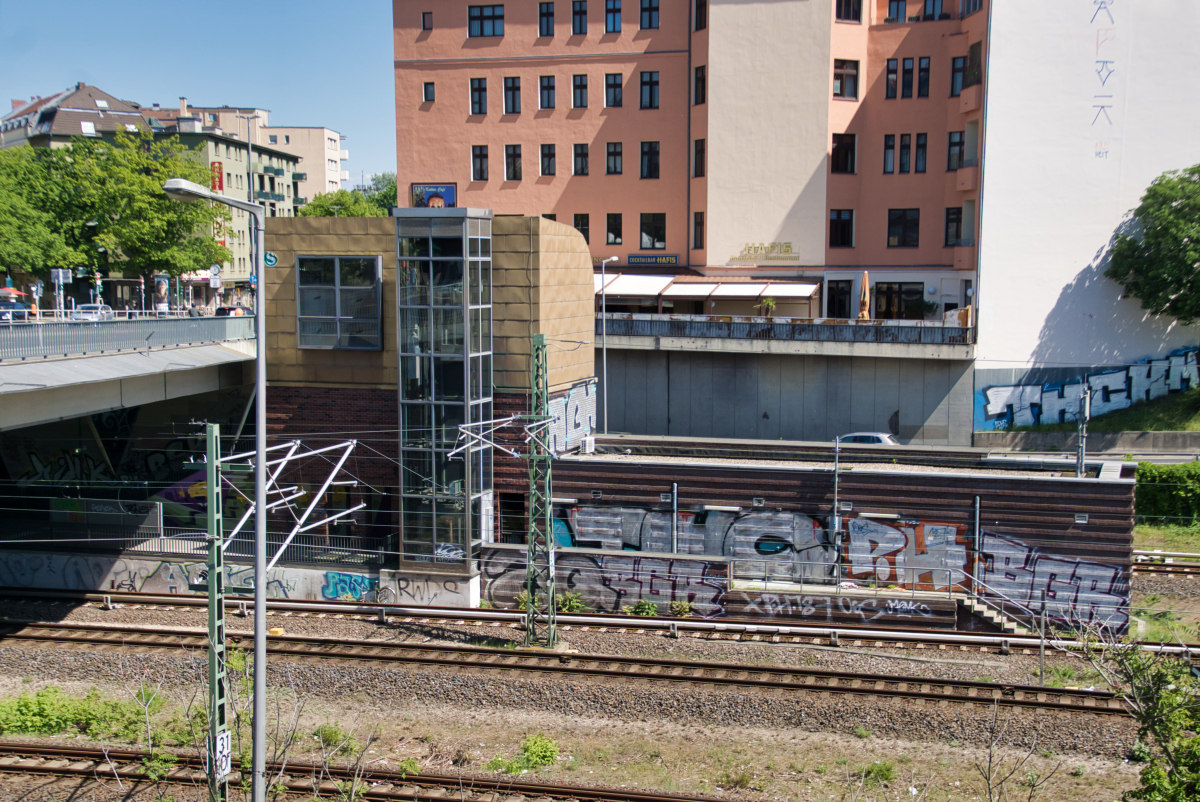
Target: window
x=974, y=65
x=614, y=229
x=649, y=90
x=272, y=139
x=905, y=152
x=922, y=146
x=581, y=159
x=649, y=160
x=512, y=162
x=954, y=229
x=889, y=153
x=923, y=77
x=841, y=229
x=958, y=71
x=956, y=152
x=649, y=14
x=698, y=159
x=933, y=9
x=890, y=86
x=548, y=167
x=545, y=19
x=849, y=10
x=337, y=302
x=845, y=78
x=428, y=93
x=897, y=11
x=546, y=91
x=550, y=216
x=906, y=80
x=485, y=21
x=701, y=14
x=579, y=91
x=700, y=85
x=479, y=95
x=427, y=20
x=613, y=164
x=612, y=90
x=479, y=163
x=842, y=160
x=698, y=230
x=970, y=6
x=578, y=17
x=903, y=228
x=583, y=226
x=612, y=16
x=654, y=232
x=512, y=95
x=838, y=298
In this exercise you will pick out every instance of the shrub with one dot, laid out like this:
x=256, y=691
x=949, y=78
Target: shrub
x=569, y=602
x=881, y=771
x=861, y=732
x=1140, y=753
x=741, y=780
x=332, y=737
x=682, y=609
x=407, y=766
x=643, y=607
x=484, y=604
x=1168, y=493
x=522, y=600
x=534, y=751
x=50, y=712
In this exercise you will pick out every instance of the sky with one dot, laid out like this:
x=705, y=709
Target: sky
x=309, y=63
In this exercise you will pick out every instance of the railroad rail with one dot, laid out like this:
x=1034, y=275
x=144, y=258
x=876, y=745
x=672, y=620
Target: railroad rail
x=380, y=783
x=528, y=663
x=1167, y=569
x=743, y=630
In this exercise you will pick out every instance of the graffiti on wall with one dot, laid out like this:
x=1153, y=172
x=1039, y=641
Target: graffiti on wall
x=574, y=417
x=428, y=590
x=930, y=555
x=339, y=585
x=1001, y=407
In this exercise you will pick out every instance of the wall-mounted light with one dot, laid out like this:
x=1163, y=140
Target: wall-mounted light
x=970, y=291
x=664, y=497
x=845, y=506
x=719, y=508
x=597, y=495
x=887, y=516
x=759, y=501
x=1081, y=517
x=931, y=289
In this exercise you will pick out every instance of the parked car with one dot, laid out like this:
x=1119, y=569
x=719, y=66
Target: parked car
x=234, y=311
x=93, y=313
x=13, y=310
x=869, y=439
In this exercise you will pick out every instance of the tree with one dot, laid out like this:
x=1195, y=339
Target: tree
x=1160, y=263
x=382, y=191
x=341, y=204
x=30, y=241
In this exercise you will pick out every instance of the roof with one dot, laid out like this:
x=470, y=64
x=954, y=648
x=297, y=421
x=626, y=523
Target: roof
x=64, y=114
x=637, y=285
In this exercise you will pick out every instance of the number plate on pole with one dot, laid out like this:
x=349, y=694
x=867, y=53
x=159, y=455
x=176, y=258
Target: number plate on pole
x=222, y=754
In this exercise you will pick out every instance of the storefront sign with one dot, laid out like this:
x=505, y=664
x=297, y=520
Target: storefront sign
x=218, y=177
x=755, y=253
x=434, y=196
x=639, y=259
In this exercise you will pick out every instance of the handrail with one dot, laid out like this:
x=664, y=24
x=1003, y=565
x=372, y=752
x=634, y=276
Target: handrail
x=1000, y=609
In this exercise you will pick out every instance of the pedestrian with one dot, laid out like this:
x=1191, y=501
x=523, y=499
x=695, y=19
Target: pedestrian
x=193, y=310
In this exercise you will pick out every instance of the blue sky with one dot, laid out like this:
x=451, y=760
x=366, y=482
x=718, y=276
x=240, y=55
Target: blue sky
x=310, y=63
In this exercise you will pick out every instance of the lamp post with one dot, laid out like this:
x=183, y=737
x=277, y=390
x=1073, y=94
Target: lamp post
x=604, y=333
x=180, y=189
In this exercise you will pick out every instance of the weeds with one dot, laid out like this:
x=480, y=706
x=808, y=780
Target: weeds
x=861, y=732
x=879, y=772
x=332, y=738
x=643, y=607
x=522, y=600
x=570, y=602
x=681, y=609
x=50, y=712
x=534, y=752
x=740, y=780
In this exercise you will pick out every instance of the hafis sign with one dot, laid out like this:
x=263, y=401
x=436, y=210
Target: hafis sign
x=757, y=253
x=643, y=259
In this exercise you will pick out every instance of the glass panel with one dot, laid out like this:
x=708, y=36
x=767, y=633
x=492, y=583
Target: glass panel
x=414, y=331
x=359, y=334
x=473, y=247
x=476, y=470
x=473, y=226
x=447, y=246
x=475, y=316
x=449, y=417
x=485, y=228
x=451, y=477
x=415, y=379
x=474, y=283
x=317, y=333
x=359, y=302
x=417, y=427
x=448, y=375
x=448, y=283
x=418, y=519
x=485, y=377
x=488, y=471
x=416, y=472
x=485, y=283
x=451, y=537
x=485, y=329
x=447, y=226
x=485, y=248
x=413, y=227
x=413, y=280
x=317, y=270
x=449, y=339
x=357, y=271
x=414, y=246
x=317, y=302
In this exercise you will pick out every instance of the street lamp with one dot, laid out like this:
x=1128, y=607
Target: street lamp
x=183, y=190
x=604, y=333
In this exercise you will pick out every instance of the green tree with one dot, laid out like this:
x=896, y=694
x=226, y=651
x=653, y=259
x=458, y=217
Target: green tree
x=342, y=203
x=1159, y=264
x=30, y=240
x=382, y=191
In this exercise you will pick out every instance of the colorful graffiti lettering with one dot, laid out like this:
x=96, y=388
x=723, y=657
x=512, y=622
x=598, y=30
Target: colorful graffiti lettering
x=339, y=585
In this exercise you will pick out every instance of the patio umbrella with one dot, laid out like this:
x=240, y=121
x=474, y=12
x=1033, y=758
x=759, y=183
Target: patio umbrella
x=11, y=291
x=864, y=299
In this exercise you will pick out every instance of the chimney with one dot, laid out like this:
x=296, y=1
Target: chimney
x=188, y=125
x=16, y=104
x=183, y=111
x=155, y=105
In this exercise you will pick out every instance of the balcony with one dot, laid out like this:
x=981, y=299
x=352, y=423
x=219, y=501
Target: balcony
x=271, y=196
x=970, y=99
x=922, y=339
x=299, y=176
x=299, y=200
x=964, y=254
x=967, y=179
x=266, y=170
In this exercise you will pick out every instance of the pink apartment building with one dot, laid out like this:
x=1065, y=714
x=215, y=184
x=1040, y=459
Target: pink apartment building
x=801, y=140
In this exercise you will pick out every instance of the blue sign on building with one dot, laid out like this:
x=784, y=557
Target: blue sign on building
x=639, y=259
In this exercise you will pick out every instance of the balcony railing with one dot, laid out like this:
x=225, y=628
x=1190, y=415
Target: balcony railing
x=268, y=170
x=299, y=200
x=963, y=242
x=35, y=340
x=272, y=196
x=914, y=332
x=299, y=176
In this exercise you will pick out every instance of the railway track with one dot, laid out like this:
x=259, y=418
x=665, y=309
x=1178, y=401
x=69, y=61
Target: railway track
x=1167, y=569
x=785, y=682
x=310, y=778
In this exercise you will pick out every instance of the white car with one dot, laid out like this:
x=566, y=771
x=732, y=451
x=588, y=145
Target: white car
x=93, y=313
x=869, y=439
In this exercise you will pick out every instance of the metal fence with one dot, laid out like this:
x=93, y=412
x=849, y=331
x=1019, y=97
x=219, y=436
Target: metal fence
x=914, y=332
x=60, y=338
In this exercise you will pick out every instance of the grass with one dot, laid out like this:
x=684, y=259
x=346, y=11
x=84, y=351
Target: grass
x=1177, y=412
x=1167, y=538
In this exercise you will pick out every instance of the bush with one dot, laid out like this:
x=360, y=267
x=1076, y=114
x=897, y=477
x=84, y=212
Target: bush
x=50, y=712
x=643, y=607
x=332, y=737
x=682, y=609
x=1140, y=753
x=881, y=771
x=1168, y=493
x=535, y=751
x=522, y=600
x=569, y=602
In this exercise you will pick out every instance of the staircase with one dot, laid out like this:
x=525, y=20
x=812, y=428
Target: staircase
x=1005, y=623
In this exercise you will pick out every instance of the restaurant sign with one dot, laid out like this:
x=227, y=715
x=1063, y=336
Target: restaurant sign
x=642, y=259
x=757, y=253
